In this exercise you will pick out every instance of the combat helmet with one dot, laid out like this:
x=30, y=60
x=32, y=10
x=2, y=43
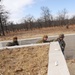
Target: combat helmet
x=61, y=36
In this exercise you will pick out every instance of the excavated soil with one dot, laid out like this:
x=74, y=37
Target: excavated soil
x=24, y=61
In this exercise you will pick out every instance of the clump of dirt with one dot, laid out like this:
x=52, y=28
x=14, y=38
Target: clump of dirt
x=24, y=61
x=71, y=66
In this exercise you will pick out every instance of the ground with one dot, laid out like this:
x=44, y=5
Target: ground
x=22, y=34
x=15, y=62
x=71, y=66
x=24, y=61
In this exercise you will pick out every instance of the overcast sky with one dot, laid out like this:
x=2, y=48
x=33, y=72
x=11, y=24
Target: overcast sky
x=20, y=8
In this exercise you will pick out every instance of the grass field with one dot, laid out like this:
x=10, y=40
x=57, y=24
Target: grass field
x=22, y=34
x=28, y=60
x=71, y=66
x=24, y=61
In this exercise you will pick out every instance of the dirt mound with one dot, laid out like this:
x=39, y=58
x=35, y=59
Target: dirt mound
x=24, y=61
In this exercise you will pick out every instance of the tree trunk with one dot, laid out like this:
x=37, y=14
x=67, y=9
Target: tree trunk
x=2, y=28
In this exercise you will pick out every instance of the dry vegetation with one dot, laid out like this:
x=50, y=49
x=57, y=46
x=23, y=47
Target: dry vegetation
x=71, y=66
x=24, y=61
x=30, y=60
x=22, y=34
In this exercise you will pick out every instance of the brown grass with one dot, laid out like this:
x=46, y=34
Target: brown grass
x=71, y=66
x=24, y=61
x=22, y=34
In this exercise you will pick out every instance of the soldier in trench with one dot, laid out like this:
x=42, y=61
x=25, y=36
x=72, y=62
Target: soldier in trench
x=61, y=41
x=44, y=40
x=14, y=43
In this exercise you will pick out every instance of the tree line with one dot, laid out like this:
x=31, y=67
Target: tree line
x=29, y=22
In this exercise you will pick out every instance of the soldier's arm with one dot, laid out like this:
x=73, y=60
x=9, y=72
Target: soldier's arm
x=52, y=40
x=9, y=44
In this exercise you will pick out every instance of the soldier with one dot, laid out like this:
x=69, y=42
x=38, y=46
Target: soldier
x=15, y=42
x=61, y=41
x=44, y=39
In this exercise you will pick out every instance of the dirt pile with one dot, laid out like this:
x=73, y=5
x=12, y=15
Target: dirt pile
x=24, y=61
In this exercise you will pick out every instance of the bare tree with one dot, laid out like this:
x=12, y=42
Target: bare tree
x=28, y=20
x=72, y=20
x=39, y=23
x=62, y=17
x=3, y=19
x=1, y=25
x=46, y=15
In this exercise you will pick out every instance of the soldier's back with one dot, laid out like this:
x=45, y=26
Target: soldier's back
x=9, y=44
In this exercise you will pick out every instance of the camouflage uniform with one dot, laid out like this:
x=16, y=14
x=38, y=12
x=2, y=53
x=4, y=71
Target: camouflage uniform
x=12, y=43
x=15, y=42
x=9, y=44
x=43, y=40
x=61, y=42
